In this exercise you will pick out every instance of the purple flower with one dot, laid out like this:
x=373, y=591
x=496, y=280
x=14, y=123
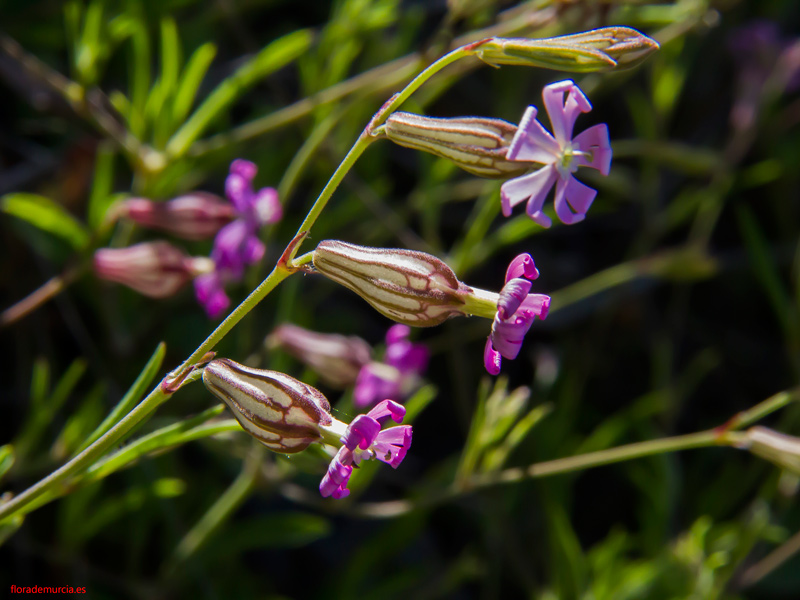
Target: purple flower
x=403, y=364
x=560, y=154
x=516, y=311
x=364, y=440
x=237, y=244
x=155, y=269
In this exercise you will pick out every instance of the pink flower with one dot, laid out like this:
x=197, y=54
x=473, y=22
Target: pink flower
x=237, y=244
x=364, y=440
x=155, y=269
x=561, y=156
x=397, y=375
x=516, y=311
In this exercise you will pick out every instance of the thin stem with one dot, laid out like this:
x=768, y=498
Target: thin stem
x=602, y=457
x=257, y=295
x=761, y=410
x=49, y=290
x=88, y=456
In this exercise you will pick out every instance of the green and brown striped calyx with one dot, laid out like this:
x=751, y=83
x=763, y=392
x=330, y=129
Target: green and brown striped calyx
x=282, y=413
x=406, y=286
x=476, y=144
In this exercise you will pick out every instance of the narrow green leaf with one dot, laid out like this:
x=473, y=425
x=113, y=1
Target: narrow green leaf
x=140, y=77
x=276, y=55
x=40, y=382
x=101, y=199
x=166, y=437
x=46, y=215
x=159, y=101
x=7, y=458
x=132, y=396
x=190, y=81
x=9, y=527
x=79, y=423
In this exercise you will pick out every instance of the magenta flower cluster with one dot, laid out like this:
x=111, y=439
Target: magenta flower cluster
x=516, y=311
x=237, y=245
x=403, y=364
x=364, y=440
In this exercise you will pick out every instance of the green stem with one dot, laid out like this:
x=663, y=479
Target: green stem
x=761, y=410
x=88, y=456
x=603, y=457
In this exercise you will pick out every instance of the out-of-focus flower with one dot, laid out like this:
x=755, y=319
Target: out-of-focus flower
x=363, y=440
x=516, y=311
x=237, y=244
x=397, y=375
x=337, y=359
x=769, y=66
x=286, y=415
x=155, y=269
x=194, y=216
x=418, y=289
x=561, y=155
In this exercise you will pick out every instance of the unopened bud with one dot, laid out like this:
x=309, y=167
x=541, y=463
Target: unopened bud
x=476, y=144
x=595, y=50
x=281, y=412
x=404, y=285
x=778, y=448
x=195, y=216
x=155, y=269
x=337, y=359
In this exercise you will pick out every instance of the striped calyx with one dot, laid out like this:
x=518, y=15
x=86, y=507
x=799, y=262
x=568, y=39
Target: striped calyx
x=282, y=413
x=406, y=286
x=477, y=145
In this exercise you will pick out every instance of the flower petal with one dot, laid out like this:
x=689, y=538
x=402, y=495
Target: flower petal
x=491, y=358
x=507, y=335
x=361, y=433
x=564, y=113
x=532, y=187
x=511, y=296
x=392, y=444
x=538, y=304
x=266, y=208
x=522, y=266
x=211, y=295
x=334, y=483
x=388, y=408
x=594, y=140
x=579, y=197
x=532, y=142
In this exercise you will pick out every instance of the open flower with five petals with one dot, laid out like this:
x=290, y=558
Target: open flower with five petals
x=560, y=154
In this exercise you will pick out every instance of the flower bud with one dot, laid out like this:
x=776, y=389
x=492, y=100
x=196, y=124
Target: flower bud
x=195, y=216
x=282, y=413
x=595, y=50
x=155, y=269
x=406, y=286
x=337, y=359
x=477, y=145
x=778, y=448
